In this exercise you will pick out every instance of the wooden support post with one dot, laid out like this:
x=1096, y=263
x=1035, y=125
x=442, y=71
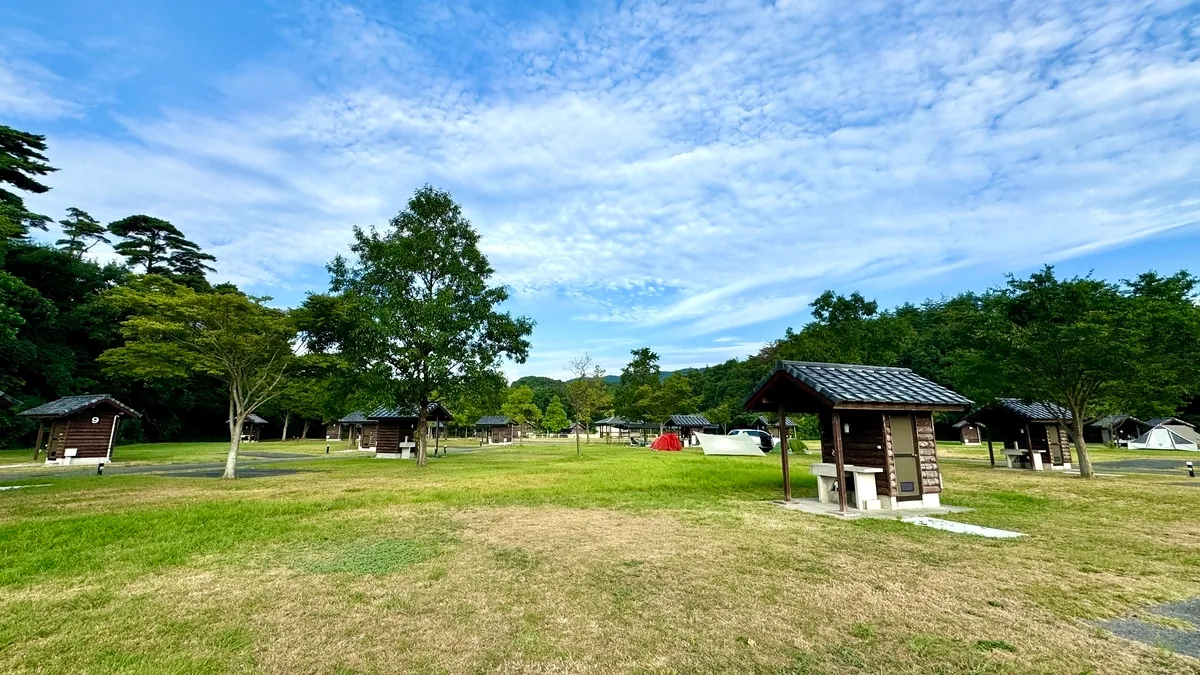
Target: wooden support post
x=783, y=451
x=991, y=453
x=839, y=462
x=38, y=446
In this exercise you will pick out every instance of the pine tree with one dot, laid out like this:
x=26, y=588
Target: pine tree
x=80, y=227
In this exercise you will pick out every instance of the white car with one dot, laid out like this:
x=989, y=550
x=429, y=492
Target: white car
x=765, y=440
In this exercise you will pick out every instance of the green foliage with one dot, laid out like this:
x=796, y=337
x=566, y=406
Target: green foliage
x=158, y=247
x=673, y=396
x=520, y=408
x=22, y=163
x=720, y=415
x=80, y=228
x=640, y=375
x=416, y=303
x=555, y=418
x=587, y=392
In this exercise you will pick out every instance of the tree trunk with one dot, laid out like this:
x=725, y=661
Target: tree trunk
x=235, y=442
x=422, y=420
x=304, y=431
x=1085, y=462
x=578, y=450
x=287, y=415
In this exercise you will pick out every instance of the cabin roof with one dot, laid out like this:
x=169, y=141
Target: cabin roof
x=1160, y=421
x=255, y=418
x=354, y=417
x=689, y=421
x=1110, y=421
x=1035, y=410
x=612, y=420
x=69, y=405
x=839, y=385
x=493, y=421
x=762, y=419
x=434, y=411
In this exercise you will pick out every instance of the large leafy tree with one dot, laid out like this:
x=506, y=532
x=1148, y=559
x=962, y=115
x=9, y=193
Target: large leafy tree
x=520, y=408
x=79, y=228
x=174, y=332
x=417, y=302
x=158, y=247
x=642, y=371
x=673, y=396
x=555, y=418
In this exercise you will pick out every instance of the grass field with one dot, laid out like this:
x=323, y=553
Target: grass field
x=528, y=559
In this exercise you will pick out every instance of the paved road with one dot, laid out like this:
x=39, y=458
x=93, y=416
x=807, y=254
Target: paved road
x=1157, y=635
x=250, y=465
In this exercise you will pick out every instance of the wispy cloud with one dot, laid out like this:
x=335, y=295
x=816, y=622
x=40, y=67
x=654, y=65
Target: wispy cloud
x=682, y=169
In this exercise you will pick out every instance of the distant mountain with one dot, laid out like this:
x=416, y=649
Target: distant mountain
x=615, y=379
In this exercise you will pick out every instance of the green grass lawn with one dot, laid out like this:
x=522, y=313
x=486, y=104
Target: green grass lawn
x=528, y=559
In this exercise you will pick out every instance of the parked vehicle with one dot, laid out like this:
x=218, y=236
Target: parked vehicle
x=765, y=441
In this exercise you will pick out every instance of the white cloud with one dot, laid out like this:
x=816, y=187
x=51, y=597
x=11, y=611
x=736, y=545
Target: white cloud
x=695, y=168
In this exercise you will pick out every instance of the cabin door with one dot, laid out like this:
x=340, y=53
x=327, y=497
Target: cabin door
x=57, y=444
x=1055, y=443
x=904, y=457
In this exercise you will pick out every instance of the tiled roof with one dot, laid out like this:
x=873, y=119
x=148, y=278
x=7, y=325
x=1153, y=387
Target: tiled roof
x=763, y=421
x=7, y=401
x=493, y=421
x=434, y=411
x=355, y=417
x=1159, y=421
x=689, y=421
x=68, y=405
x=1035, y=410
x=252, y=417
x=1112, y=421
x=963, y=423
x=611, y=421
x=842, y=383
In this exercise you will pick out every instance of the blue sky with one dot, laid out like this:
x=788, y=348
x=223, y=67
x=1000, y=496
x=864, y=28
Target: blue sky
x=684, y=176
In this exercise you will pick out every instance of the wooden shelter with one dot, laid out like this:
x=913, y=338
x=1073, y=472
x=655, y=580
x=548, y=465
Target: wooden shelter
x=83, y=429
x=397, y=428
x=611, y=426
x=687, y=425
x=360, y=430
x=763, y=424
x=1034, y=433
x=876, y=425
x=969, y=432
x=252, y=428
x=494, y=430
x=1115, y=429
x=333, y=431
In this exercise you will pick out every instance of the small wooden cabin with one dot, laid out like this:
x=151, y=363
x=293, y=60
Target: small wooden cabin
x=969, y=432
x=762, y=424
x=1115, y=430
x=252, y=428
x=360, y=431
x=494, y=430
x=82, y=430
x=1038, y=428
x=687, y=425
x=876, y=429
x=333, y=431
x=397, y=428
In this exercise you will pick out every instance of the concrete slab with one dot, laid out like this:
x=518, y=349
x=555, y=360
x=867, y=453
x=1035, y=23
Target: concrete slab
x=1150, y=464
x=828, y=509
x=962, y=528
x=1186, y=642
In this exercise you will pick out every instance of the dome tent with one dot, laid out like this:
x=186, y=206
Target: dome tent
x=667, y=442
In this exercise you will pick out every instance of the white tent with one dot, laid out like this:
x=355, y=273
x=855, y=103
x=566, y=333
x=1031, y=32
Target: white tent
x=1162, y=438
x=741, y=444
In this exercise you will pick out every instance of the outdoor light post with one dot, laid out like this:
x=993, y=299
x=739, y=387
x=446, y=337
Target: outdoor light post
x=1191, y=470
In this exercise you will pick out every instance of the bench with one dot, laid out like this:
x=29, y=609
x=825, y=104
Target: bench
x=1019, y=458
x=861, y=482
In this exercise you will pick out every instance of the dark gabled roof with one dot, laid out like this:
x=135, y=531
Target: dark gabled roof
x=612, y=420
x=963, y=423
x=762, y=419
x=689, y=421
x=1035, y=410
x=356, y=417
x=842, y=384
x=1159, y=421
x=1111, y=421
x=69, y=405
x=493, y=421
x=434, y=411
x=638, y=426
x=253, y=417
x=7, y=401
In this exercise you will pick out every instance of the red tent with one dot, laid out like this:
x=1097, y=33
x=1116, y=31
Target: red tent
x=669, y=442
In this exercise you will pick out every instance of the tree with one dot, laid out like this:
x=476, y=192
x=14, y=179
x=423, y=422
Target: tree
x=173, y=332
x=1068, y=342
x=555, y=418
x=80, y=228
x=673, y=396
x=520, y=408
x=160, y=248
x=641, y=371
x=720, y=415
x=22, y=162
x=587, y=393
x=418, y=304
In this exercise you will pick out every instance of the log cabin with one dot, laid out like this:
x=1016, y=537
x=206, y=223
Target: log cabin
x=397, y=429
x=83, y=429
x=252, y=428
x=494, y=430
x=969, y=432
x=1034, y=433
x=876, y=429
